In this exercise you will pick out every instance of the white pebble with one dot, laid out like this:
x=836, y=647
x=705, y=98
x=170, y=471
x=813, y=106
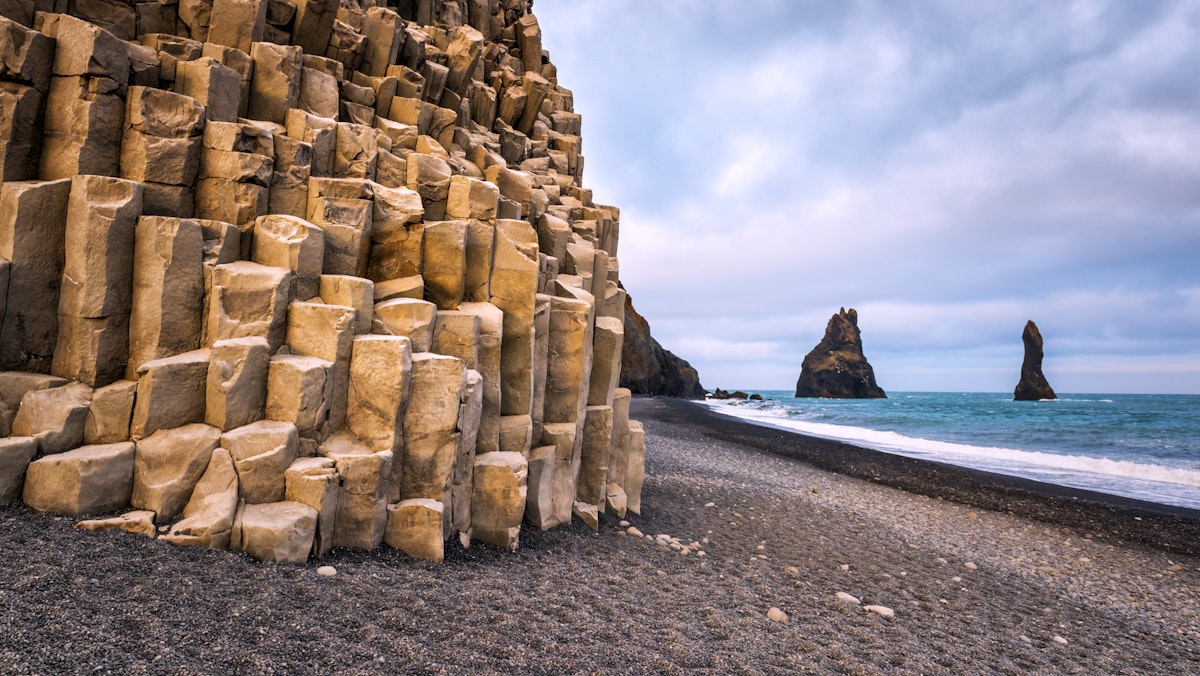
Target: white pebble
x=710, y=504
x=970, y=566
x=623, y=524
x=883, y=611
x=956, y=579
x=844, y=567
x=846, y=598
x=1059, y=639
x=327, y=571
x=632, y=530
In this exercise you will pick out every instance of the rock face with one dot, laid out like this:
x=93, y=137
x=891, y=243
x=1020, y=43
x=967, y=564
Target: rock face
x=1033, y=385
x=836, y=367
x=293, y=274
x=647, y=368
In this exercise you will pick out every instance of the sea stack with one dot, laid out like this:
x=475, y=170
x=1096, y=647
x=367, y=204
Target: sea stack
x=1033, y=385
x=836, y=367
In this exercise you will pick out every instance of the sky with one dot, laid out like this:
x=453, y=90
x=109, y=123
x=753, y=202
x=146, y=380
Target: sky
x=950, y=169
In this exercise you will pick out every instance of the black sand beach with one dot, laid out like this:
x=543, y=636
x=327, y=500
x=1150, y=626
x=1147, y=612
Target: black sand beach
x=1059, y=581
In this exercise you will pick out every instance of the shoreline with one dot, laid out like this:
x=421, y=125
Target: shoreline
x=1167, y=527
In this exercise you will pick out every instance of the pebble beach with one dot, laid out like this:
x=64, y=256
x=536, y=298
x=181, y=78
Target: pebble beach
x=758, y=551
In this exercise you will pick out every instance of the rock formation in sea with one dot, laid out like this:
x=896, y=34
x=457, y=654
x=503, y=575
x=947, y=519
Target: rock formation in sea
x=648, y=368
x=284, y=275
x=1033, y=385
x=836, y=367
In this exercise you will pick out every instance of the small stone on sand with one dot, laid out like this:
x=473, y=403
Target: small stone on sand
x=710, y=504
x=1059, y=639
x=777, y=615
x=793, y=570
x=970, y=566
x=846, y=598
x=632, y=530
x=326, y=571
x=973, y=516
x=883, y=611
x=623, y=524
x=844, y=567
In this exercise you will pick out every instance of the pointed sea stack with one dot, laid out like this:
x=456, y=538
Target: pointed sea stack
x=836, y=367
x=1033, y=385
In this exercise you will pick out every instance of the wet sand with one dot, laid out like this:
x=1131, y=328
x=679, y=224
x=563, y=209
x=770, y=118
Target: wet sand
x=1060, y=581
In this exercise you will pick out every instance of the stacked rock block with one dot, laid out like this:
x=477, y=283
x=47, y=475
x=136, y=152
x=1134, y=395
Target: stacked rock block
x=285, y=275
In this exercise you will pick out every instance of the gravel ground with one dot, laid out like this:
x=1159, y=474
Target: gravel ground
x=774, y=530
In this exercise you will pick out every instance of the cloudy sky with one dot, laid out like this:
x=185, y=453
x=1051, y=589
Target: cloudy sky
x=950, y=169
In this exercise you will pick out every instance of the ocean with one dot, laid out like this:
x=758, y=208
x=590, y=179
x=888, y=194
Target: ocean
x=1144, y=446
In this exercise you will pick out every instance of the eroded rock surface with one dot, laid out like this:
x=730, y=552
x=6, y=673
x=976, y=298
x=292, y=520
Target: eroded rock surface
x=836, y=368
x=1033, y=385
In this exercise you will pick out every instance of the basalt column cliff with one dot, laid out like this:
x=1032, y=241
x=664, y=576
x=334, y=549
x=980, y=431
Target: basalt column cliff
x=285, y=275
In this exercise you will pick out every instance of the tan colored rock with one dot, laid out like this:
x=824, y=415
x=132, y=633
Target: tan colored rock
x=487, y=363
x=289, y=180
x=87, y=480
x=21, y=124
x=167, y=466
x=481, y=244
x=362, y=502
x=588, y=514
x=238, y=23
x=539, y=503
x=380, y=369
x=299, y=390
x=92, y=350
x=279, y=531
x=470, y=409
x=168, y=289
x=294, y=244
x=356, y=151
x=444, y=258
x=463, y=55
x=14, y=385
x=618, y=456
x=85, y=49
x=470, y=198
x=247, y=300
x=215, y=85
x=26, y=55
x=591, y=484
x=559, y=473
x=236, y=389
x=347, y=226
x=262, y=452
x=615, y=500
x=161, y=140
x=275, y=86
x=384, y=30
x=82, y=128
x=54, y=416
x=430, y=177
x=222, y=199
x=239, y=137
x=314, y=24
x=456, y=333
x=405, y=287
x=325, y=332
x=513, y=289
x=33, y=216
x=415, y=528
x=568, y=373
x=319, y=132
x=138, y=522
x=607, y=341
x=170, y=393
x=516, y=434
x=635, y=469
x=102, y=215
x=209, y=513
x=314, y=482
x=408, y=317
x=514, y=185
x=541, y=355
x=430, y=423
x=355, y=292
x=15, y=455
x=318, y=93
x=498, y=500
x=239, y=167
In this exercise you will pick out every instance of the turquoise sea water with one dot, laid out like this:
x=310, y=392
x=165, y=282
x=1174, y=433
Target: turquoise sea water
x=1135, y=445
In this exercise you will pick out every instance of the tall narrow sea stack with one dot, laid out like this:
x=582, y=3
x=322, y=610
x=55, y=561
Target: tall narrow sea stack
x=836, y=368
x=1033, y=385
x=284, y=275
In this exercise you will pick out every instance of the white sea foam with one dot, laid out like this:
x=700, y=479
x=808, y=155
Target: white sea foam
x=1145, y=481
